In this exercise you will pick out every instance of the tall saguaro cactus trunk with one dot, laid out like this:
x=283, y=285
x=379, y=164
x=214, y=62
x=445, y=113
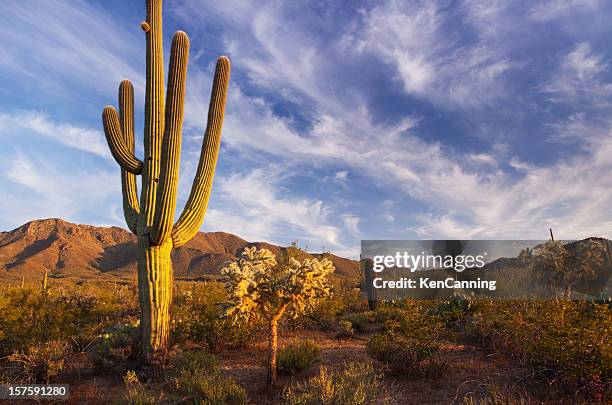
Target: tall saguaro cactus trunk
x=151, y=217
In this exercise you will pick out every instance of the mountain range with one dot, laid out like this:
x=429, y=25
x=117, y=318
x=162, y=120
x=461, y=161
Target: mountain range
x=85, y=252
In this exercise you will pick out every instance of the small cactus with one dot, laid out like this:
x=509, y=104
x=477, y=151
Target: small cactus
x=45, y=281
x=259, y=285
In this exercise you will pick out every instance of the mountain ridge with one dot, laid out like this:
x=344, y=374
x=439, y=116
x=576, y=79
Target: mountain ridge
x=81, y=251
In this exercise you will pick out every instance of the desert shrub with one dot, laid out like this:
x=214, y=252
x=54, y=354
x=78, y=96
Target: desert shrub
x=325, y=314
x=485, y=325
x=210, y=389
x=29, y=316
x=562, y=341
x=196, y=377
x=569, y=340
x=411, y=344
x=357, y=384
x=359, y=320
x=198, y=317
x=136, y=393
x=194, y=361
x=40, y=362
x=114, y=348
x=322, y=316
x=495, y=394
x=346, y=330
x=295, y=358
x=389, y=312
x=455, y=311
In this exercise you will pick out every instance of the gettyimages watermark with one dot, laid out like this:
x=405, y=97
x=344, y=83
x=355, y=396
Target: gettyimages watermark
x=496, y=269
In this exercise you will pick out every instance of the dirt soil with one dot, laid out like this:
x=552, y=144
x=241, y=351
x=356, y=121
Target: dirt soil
x=468, y=370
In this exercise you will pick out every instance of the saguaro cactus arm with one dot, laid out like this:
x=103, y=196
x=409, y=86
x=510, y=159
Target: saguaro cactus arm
x=129, y=188
x=118, y=147
x=171, y=149
x=154, y=114
x=192, y=216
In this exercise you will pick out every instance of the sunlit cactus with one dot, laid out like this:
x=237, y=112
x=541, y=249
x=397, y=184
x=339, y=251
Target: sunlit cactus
x=259, y=285
x=44, y=285
x=151, y=217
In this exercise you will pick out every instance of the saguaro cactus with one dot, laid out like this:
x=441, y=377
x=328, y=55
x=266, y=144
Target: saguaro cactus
x=44, y=283
x=152, y=218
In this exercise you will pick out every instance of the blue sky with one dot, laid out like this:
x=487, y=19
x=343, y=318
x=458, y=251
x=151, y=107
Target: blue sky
x=346, y=120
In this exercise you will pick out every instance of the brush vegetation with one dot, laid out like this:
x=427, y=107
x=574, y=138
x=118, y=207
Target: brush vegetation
x=557, y=350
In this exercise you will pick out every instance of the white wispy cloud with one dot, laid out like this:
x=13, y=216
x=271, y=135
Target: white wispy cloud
x=255, y=207
x=468, y=194
x=552, y=9
x=579, y=78
x=61, y=43
x=50, y=190
x=341, y=175
x=351, y=222
x=488, y=192
x=417, y=39
x=34, y=123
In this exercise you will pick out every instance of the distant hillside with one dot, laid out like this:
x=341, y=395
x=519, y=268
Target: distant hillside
x=74, y=251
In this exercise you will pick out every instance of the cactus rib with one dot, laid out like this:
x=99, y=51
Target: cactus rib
x=193, y=214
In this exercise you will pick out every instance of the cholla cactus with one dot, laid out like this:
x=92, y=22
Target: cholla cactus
x=151, y=217
x=260, y=286
x=561, y=269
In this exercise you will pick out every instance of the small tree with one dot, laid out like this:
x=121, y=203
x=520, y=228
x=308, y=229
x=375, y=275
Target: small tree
x=259, y=285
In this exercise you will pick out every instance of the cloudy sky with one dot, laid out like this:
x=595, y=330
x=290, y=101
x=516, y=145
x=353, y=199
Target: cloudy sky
x=346, y=120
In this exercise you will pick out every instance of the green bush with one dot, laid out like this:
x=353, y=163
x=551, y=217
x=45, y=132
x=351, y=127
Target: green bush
x=359, y=320
x=388, y=312
x=40, y=362
x=136, y=393
x=29, y=316
x=560, y=341
x=328, y=310
x=495, y=394
x=115, y=347
x=357, y=384
x=484, y=326
x=346, y=330
x=198, y=317
x=295, y=358
x=194, y=361
x=197, y=377
x=212, y=390
x=411, y=344
x=454, y=311
x=569, y=340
